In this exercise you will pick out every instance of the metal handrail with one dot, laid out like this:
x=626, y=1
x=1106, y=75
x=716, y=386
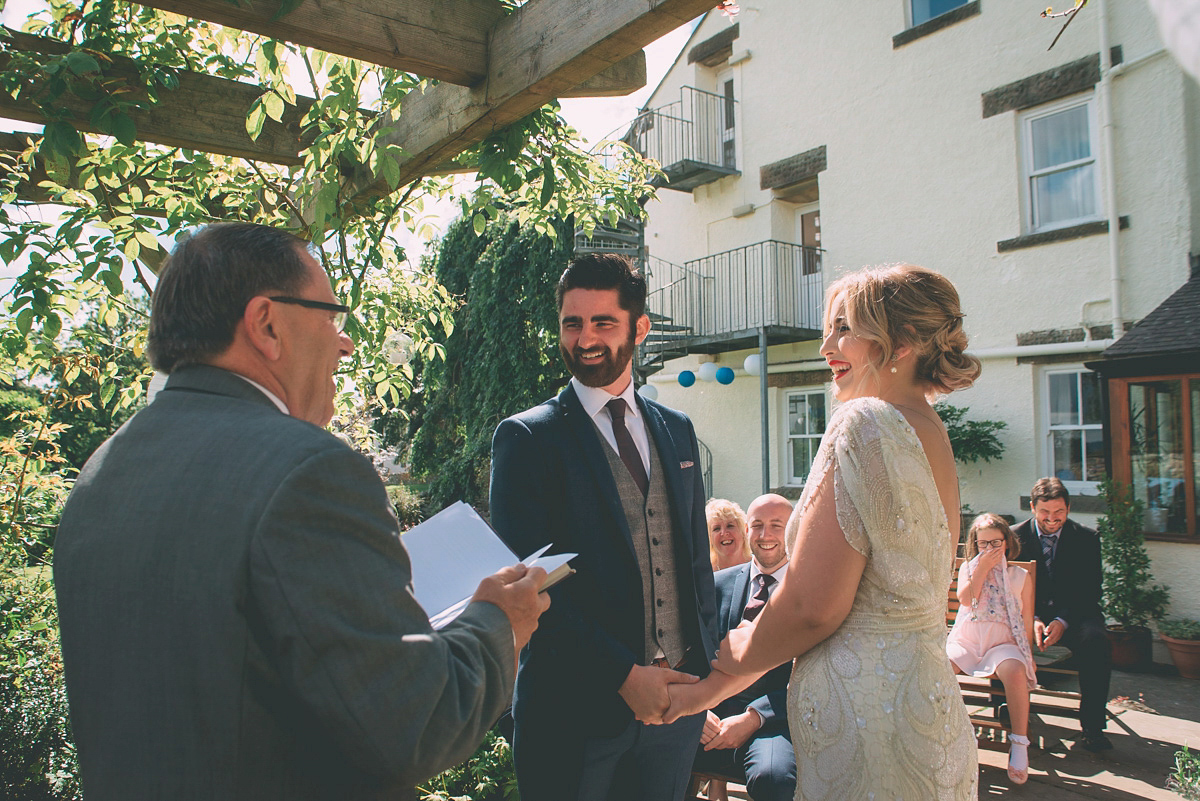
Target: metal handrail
x=689, y=129
x=768, y=283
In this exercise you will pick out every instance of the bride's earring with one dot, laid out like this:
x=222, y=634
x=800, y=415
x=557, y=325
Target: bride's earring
x=894, y=365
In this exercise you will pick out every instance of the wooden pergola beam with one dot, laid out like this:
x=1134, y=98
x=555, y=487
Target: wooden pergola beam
x=537, y=53
x=443, y=39
x=204, y=113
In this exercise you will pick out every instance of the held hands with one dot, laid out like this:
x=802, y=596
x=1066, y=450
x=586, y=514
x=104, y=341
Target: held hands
x=646, y=690
x=516, y=590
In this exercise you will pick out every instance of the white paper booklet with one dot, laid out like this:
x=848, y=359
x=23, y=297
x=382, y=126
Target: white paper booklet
x=456, y=549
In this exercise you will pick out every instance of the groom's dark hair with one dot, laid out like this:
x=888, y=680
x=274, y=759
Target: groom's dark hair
x=606, y=271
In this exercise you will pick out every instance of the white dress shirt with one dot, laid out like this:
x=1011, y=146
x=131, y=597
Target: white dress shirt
x=593, y=401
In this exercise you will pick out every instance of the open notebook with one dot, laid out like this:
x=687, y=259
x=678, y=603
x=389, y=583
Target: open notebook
x=456, y=549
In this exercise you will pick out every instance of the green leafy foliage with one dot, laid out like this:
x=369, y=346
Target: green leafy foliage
x=487, y=776
x=408, y=505
x=971, y=440
x=1185, y=779
x=502, y=356
x=1129, y=596
x=1181, y=628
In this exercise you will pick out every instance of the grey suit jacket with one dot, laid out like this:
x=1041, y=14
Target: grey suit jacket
x=237, y=616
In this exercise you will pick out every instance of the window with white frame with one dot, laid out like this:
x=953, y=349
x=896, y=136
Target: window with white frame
x=1075, y=430
x=805, y=425
x=1061, y=178
x=925, y=10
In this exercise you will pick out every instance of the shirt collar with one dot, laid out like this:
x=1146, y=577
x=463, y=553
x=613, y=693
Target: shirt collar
x=776, y=574
x=270, y=395
x=593, y=398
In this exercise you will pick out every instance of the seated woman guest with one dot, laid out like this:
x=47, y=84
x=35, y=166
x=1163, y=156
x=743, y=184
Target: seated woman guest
x=727, y=543
x=873, y=706
x=990, y=636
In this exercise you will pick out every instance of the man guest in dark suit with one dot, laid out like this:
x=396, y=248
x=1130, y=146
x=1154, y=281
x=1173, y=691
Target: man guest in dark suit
x=1067, y=600
x=236, y=606
x=604, y=473
x=747, y=736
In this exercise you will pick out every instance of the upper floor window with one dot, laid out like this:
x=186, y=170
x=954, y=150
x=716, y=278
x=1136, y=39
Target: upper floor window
x=925, y=10
x=1075, y=428
x=1061, y=178
x=805, y=425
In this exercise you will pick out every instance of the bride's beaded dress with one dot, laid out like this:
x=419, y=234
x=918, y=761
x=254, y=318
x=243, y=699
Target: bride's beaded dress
x=875, y=710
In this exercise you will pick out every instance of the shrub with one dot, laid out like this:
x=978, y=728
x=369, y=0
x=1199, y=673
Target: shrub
x=1186, y=779
x=488, y=775
x=1129, y=597
x=408, y=505
x=1181, y=628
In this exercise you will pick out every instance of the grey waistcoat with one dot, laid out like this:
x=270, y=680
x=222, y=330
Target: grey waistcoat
x=649, y=521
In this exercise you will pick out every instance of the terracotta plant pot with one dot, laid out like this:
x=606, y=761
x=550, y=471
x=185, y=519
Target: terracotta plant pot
x=1185, y=654
x=1132, y=648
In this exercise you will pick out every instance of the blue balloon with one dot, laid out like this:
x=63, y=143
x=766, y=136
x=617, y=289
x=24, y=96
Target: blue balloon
x=687, y=378
x=724, y=375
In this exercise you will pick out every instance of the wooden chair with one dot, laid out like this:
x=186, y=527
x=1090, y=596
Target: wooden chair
x=988, y=694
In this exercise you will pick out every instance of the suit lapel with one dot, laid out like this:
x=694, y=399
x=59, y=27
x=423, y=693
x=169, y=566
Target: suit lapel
x=589, y=445
x=741, y=594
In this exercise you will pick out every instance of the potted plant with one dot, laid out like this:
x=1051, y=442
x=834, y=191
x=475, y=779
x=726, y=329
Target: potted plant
x=1182, y=636
x=1130, y=597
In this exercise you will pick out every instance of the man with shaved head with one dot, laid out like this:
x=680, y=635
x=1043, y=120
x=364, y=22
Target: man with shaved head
x=747, y=736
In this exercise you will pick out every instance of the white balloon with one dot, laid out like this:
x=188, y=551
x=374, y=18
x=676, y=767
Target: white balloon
x=707, y=372
x=753, y=364
x=648, y=391
x=398, y=348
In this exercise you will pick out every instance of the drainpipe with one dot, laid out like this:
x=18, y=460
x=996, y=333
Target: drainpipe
x=766, y=423
x=1107, y=130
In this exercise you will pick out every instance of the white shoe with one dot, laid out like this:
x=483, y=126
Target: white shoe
x=1018, y=758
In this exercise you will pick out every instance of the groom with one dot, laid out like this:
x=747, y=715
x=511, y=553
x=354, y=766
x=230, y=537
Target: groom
x=604, y=473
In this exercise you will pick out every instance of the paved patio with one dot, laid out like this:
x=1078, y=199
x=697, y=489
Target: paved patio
x=1151, y=715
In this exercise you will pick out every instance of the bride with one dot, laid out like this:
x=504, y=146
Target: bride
x=873, y=705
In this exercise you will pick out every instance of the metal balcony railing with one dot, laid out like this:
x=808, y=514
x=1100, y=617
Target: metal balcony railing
x=761, y=285
x=692, y=138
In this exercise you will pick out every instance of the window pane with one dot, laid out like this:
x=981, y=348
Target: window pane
x=1068, y=455
x=1065, y=195
x=1156, y=452
x=1093, y=440
x=800, y=459
x=1090, y=384
x=796, y=414
x=1196, y=452
x=1059, y=138
x=925, y=10
x=816, y=413
x=1064, y=399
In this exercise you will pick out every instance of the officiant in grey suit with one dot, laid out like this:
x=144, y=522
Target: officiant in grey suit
x=236, y=607
x=604, y=473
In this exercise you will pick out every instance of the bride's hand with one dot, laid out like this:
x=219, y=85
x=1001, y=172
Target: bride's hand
x=733, y=648
x=689, y=699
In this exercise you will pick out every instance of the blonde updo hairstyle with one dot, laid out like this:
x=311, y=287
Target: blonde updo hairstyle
x=905, y=305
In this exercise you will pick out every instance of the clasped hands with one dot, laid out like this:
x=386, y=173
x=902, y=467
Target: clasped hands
x=1045, y=635
x=659, y=695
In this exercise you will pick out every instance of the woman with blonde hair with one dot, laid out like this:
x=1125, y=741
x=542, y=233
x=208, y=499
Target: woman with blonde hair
x=727, y=542
x=873, y=706
x=991, y=630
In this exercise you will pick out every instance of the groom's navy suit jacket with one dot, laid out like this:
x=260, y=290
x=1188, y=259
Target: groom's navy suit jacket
x=768, y=695
x=551, y=483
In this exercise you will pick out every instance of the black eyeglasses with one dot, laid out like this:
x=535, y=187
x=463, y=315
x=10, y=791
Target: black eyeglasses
x=341, y=313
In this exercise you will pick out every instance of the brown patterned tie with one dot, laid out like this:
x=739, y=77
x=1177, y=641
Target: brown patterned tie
x=625, y=447
x=756, y=603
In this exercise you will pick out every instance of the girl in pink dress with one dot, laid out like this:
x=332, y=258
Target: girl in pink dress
x=990, y=634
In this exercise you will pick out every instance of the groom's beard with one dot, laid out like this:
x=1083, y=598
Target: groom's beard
x=604, y=372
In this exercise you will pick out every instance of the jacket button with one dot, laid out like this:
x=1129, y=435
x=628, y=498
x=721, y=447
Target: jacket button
x=649, y=513
x=661, y=633
x=658, y=572
x=654, y=540
x=660, y=602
